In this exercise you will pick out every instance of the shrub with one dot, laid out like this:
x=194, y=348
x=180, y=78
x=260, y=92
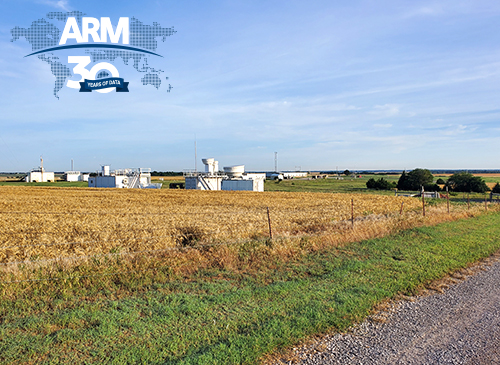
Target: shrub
x=380, y=184
x=496, y=189
x=440, y=181
x=432, y=187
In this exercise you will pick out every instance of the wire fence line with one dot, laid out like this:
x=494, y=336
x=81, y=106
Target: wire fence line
x=127, y=213
x=261, y=209
x=110, y=229
x=177, y=235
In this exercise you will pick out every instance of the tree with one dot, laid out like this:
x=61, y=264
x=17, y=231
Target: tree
x=466, y=182
x=440, y=181
x=380, y=184
x=403, y=181
x=496, y=189
x=415, y=179
x=347, y=172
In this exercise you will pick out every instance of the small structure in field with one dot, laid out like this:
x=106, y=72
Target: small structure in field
x=39, y=174
x=123, y=179
x=75, y=176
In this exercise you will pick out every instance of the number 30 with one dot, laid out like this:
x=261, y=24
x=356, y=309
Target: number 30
x=80, y=69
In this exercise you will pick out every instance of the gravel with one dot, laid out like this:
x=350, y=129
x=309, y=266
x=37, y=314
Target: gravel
x=459, y=325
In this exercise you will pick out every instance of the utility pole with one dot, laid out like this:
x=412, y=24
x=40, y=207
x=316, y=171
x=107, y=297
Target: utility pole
x=276, y=162
x=195, y=159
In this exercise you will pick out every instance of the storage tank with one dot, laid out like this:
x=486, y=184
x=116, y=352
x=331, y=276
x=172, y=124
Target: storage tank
x=234, y=171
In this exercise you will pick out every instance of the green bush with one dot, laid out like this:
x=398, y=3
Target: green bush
x=380, y=184
x=432, y=187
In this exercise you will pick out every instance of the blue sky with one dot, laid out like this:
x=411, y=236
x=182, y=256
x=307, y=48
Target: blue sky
x=354, y=84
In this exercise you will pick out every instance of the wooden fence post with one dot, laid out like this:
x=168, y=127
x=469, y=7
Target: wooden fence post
x=423, y=201
x=401, y=210
x=448, y=200
x=352, y=213
x=269, y=221
x=468, y=202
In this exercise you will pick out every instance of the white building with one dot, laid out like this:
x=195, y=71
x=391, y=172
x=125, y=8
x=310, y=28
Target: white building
x=123, y=179
x=40, y=175
x=285, y=175
x=233, y=178
x=293, y=174
x=73, y=176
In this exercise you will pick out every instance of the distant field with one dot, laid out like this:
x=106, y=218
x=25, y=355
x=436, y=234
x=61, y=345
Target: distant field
x=329, y=185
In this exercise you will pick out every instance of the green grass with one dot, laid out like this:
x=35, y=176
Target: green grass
x=216, y=316
x=347, y=185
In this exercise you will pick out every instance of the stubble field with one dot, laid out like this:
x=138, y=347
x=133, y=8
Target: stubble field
x=45, y=223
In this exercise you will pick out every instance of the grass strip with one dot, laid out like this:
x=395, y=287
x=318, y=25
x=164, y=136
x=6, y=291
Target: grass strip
x=223, y=317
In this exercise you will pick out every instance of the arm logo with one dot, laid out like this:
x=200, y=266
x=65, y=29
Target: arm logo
x=99, y=40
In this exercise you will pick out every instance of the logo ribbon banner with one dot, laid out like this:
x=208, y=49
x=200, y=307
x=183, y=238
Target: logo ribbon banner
x=88, y=85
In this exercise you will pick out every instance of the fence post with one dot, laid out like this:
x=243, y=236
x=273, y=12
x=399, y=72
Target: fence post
x=352, y=213
x=485, y=203
x=468, y=202
x=423, y=201
x=269, y=221
x=401, y=210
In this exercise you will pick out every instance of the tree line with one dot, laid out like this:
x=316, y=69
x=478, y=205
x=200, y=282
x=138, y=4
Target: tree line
x=417, y=179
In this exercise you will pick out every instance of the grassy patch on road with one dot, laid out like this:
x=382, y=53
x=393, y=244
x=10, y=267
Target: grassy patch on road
x=216, y=316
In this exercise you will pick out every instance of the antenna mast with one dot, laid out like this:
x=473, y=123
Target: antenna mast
x=41, y=168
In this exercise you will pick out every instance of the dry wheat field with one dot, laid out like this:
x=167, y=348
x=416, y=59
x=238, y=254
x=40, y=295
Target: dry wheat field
x=40, y=223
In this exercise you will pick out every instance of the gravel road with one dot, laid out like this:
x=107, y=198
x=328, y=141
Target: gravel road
x=458, y=325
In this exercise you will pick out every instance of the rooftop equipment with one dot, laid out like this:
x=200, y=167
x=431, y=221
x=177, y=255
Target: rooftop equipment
x=234, y=171
x=233, y=178
x=211, y=166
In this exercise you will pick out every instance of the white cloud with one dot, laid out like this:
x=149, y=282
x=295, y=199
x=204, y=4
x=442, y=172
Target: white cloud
x=424, y=11
x=59, y=4
x=385, y=111
x=455, y=130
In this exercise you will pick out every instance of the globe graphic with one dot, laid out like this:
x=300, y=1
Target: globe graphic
x=103, y=74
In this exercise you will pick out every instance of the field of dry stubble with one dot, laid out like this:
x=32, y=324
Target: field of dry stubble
x=42, y=222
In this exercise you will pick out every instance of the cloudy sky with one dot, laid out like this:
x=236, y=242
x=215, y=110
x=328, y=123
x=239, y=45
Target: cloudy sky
x=357, y=84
